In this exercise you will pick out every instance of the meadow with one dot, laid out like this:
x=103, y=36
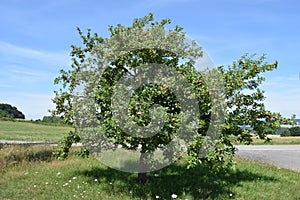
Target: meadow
x=276, y=139
x=29, y=131
x=32, y=173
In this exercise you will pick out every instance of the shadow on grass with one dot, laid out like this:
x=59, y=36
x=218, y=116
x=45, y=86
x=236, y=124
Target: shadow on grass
x=198, y=183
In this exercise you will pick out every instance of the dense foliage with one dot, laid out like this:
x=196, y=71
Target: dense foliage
x=52, y=119
x=293, y=131
x=241, y=81
x=10, y=112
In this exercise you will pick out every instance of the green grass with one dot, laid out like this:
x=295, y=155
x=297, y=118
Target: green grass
x=27, y=131
x=78, y=178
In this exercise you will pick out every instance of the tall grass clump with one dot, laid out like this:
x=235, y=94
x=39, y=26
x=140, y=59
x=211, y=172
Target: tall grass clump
x=11, y=155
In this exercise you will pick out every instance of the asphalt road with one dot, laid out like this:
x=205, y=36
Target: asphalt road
x=15, y=142
x=3, y=142
x=284, y=156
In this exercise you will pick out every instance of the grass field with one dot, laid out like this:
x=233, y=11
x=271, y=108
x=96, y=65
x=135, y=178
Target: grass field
x=276, y=139
x=27, y=131
x=30, y=172
x=78, y=178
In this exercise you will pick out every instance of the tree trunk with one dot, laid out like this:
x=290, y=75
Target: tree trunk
x=142, y=178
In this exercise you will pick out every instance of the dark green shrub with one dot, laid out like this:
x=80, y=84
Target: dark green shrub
x=295, y=131
x=53, y=119
x=285, y=133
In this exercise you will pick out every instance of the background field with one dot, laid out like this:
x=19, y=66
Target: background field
x=28, y=131
x=276, y=139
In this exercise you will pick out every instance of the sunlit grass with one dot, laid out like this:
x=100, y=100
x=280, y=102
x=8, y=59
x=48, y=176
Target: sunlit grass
x=276, y=139
x=78, y=178
x=26, y=131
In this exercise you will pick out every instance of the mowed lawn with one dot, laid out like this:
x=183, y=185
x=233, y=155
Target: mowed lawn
x=28, y=131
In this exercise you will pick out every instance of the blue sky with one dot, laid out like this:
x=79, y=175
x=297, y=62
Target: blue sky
x=35, y=39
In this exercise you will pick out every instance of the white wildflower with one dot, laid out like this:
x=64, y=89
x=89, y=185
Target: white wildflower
x=174, y=196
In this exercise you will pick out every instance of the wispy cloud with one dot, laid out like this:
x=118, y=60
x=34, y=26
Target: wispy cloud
x=24, y=67
x=26, y=77
x=285, y=83
x=18, y=75
x=26, y=72
x=40, y=55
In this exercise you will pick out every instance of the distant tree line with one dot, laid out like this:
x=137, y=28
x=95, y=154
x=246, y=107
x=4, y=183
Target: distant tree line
x=10, y=112
x=53, y=120
x=293, y=131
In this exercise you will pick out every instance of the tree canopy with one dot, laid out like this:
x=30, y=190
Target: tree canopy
x=9, y=111
x=140, y=89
